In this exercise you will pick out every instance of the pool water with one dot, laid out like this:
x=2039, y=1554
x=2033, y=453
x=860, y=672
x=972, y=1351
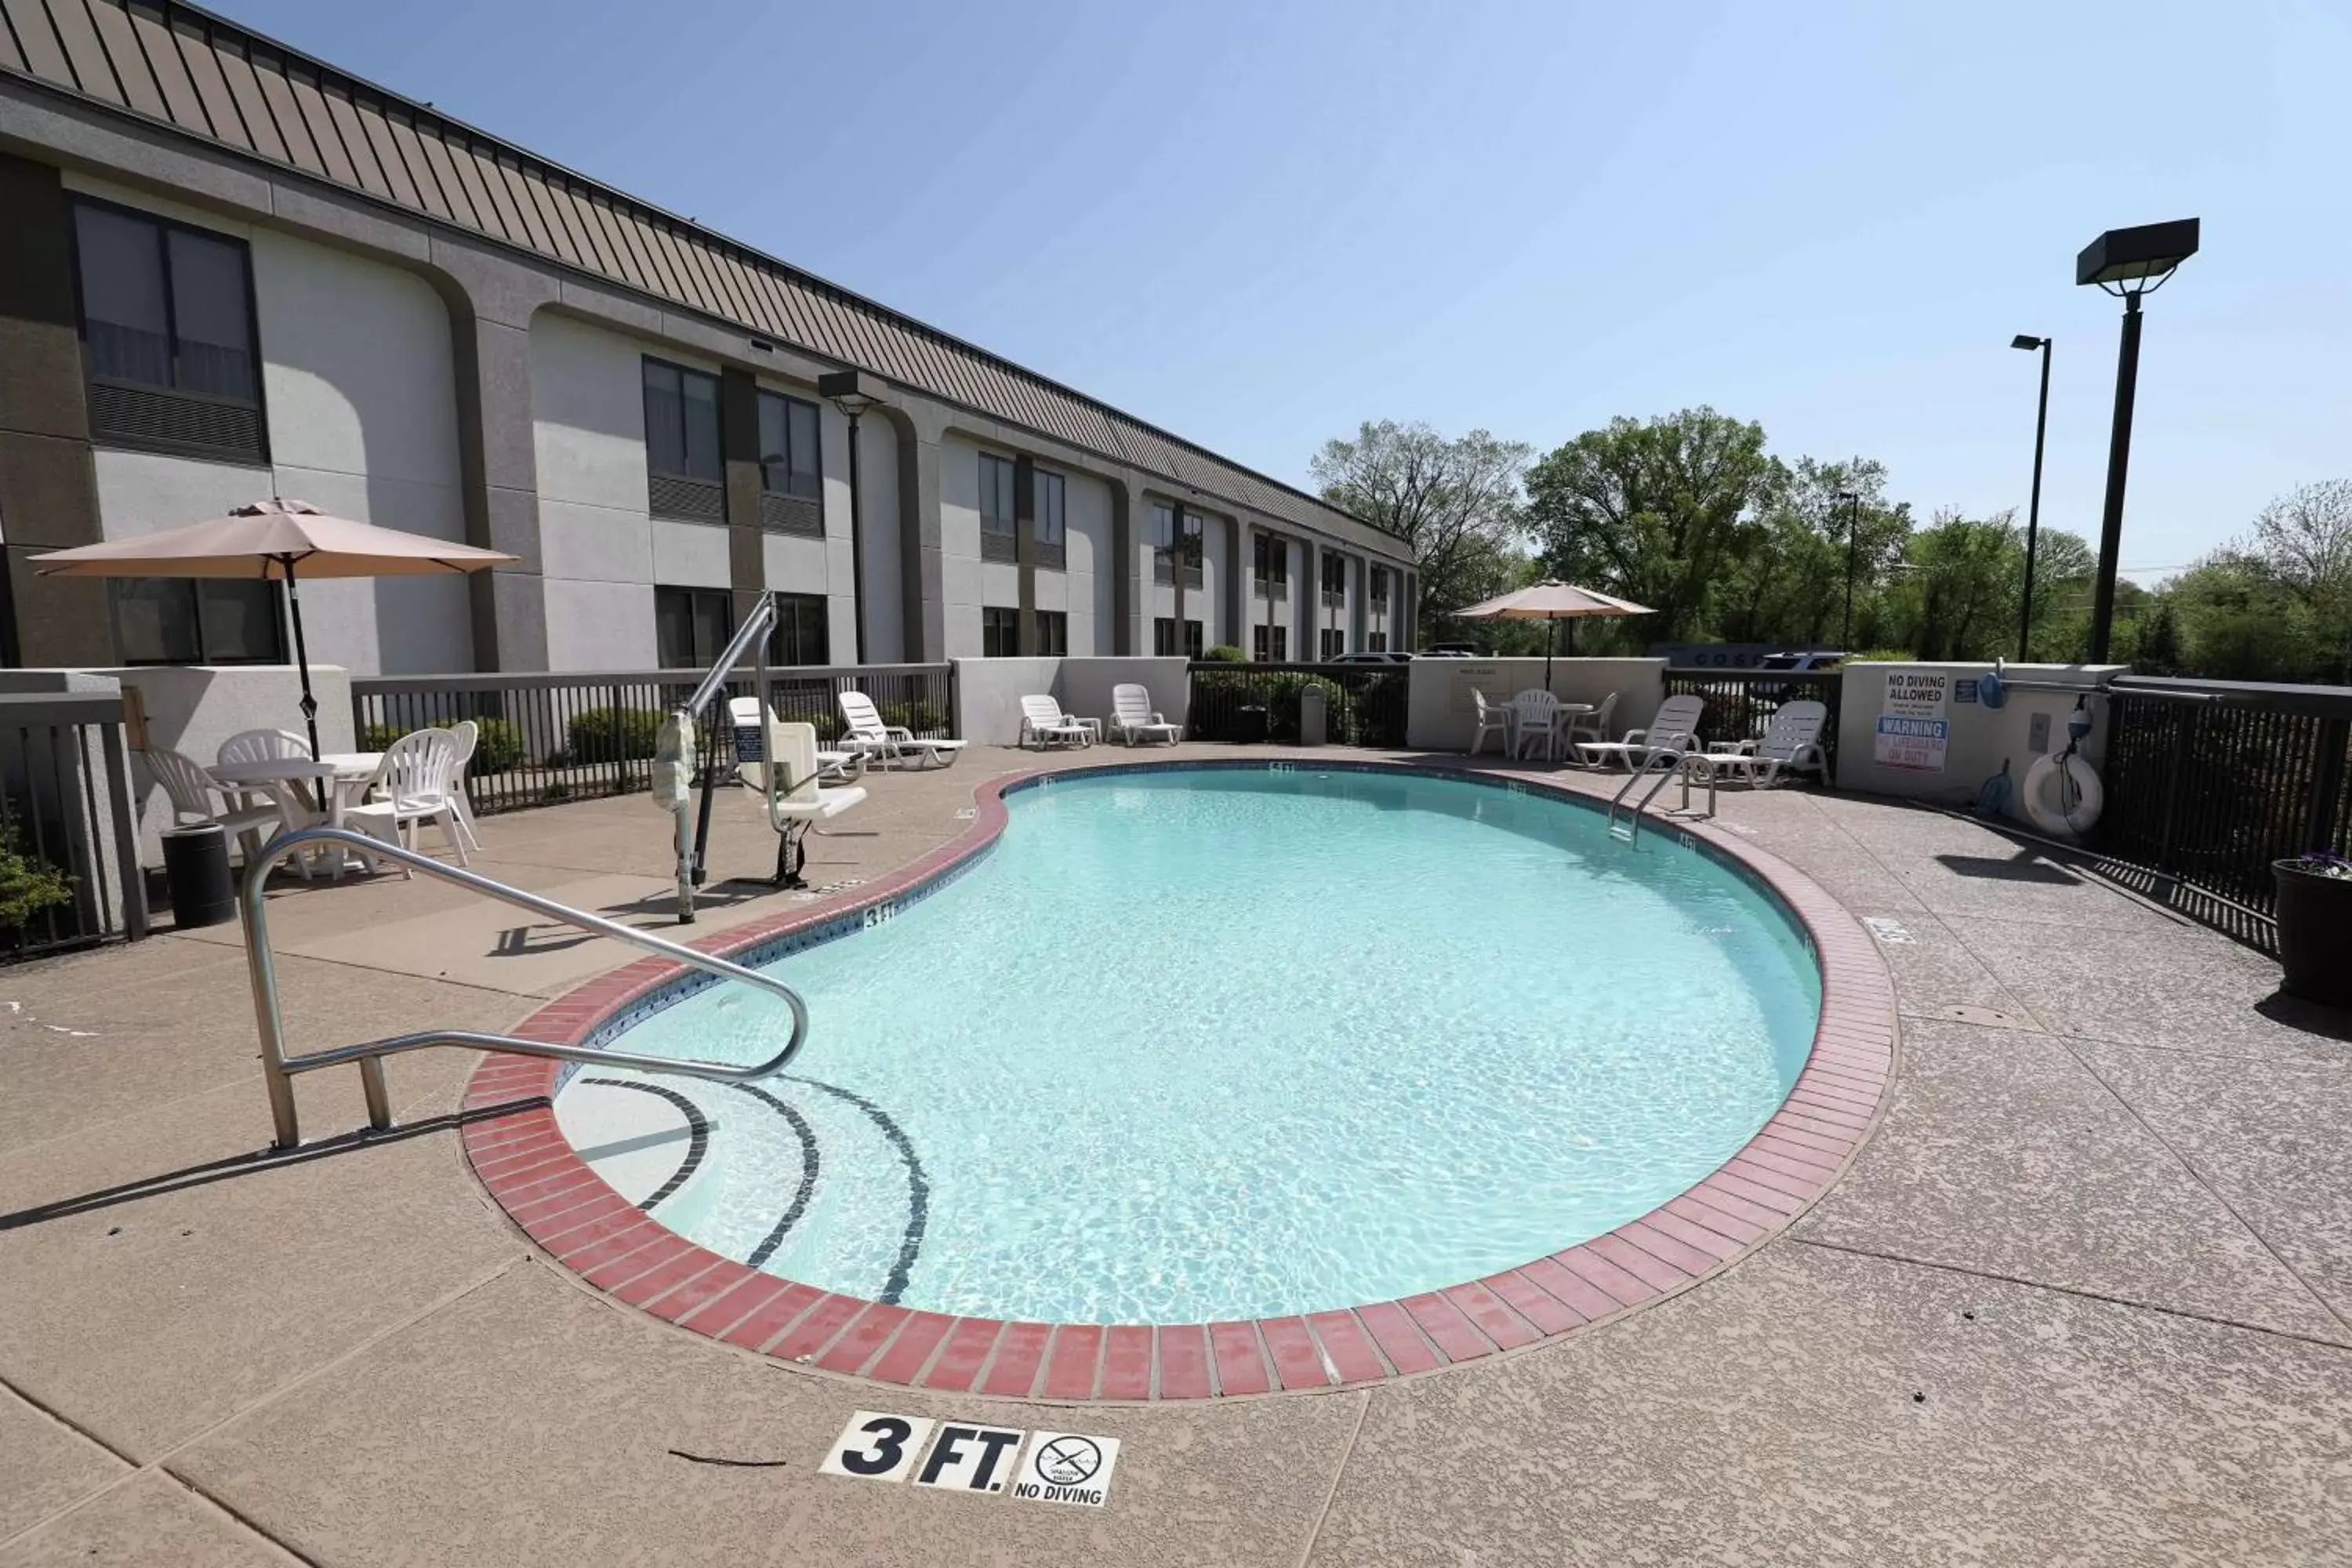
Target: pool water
x=1197, y=1045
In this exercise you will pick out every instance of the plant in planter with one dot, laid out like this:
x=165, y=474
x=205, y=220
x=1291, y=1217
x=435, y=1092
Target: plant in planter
x=2315, y=927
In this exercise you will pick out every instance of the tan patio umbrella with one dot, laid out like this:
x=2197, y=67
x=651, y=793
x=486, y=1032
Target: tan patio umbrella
x=1551, y=601
x=273, y=539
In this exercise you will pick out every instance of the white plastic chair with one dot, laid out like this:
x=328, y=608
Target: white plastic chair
x=261, y=746
x=1595, y=723
x=191, y=789
x=1673, y=729
x=1790, y=743
x=295, y=803
x=1534, y=715
x=416, y=781
x=467, y=735
x=890, y=743
x=1042, y=721
x=1494, y=718
x=1133, y=718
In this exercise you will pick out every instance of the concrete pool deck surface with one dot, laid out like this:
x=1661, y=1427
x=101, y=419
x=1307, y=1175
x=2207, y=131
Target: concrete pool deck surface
x=2086, y=1296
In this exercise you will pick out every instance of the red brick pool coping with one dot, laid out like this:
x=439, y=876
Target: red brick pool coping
x=580, y=1221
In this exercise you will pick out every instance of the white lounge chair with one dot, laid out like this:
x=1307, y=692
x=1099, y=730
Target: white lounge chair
x=1042, y=721
x=190, y=790
x=890, y=742
x=1790, y=743
x=415, y=778
x=1595, y=723
x=801, y=799
x=1133, y=718
x=1535, y=716
x=1673, y=729
x=1494, y=718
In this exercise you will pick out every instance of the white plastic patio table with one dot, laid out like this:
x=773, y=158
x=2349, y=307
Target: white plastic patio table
x=345, y=772
x=1563, y=714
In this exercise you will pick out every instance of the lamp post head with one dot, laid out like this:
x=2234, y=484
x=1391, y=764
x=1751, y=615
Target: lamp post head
x=852, y=392
x=2145, y=256
x=2028, y=344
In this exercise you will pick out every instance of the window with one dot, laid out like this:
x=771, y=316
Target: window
x=1376, y=642
x=1187, y=547
x=1335, y=579
x=1275, y=652
x=1052, y=548
x=1334, y=642
x=1052, y=633
x=1379, y=587
x=997, y=540
x=791, y=479
x=180, y=620
x=1000, y=632
x=167, y=335
x=684, y=473
x=1272, y=560
x=1192, y=639
x=691, y=625
x=1163, y=542
x=801, y=635
x=1164, y=635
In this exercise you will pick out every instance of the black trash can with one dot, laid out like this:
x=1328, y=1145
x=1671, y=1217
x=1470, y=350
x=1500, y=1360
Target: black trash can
x=195, y=873
x=1248, y=726
x=2315, y=934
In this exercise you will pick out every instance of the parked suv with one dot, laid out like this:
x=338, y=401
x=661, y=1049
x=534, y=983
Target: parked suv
x=1370, y=658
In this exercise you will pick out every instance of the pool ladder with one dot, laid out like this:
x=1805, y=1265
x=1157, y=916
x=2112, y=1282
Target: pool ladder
x=279, y=1071
x=1675, y=765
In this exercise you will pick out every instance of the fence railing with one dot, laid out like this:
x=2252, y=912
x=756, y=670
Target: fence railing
x=576, y=736
x=68, y=824
x=2209, y=781
x=1741, y=702
x=1364, y=705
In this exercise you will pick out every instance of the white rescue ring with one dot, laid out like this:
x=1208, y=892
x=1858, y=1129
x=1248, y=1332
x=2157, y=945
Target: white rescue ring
x=2062, y=795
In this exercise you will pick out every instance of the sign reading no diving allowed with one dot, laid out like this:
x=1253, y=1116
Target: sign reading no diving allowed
x=1071, y=1468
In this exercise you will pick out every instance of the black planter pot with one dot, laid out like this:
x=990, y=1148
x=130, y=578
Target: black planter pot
x=2315, y=930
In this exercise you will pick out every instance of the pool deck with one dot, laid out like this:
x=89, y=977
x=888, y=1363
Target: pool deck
x=2085, y=1296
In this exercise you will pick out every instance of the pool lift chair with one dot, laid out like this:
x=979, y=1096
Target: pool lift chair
x=787, y=773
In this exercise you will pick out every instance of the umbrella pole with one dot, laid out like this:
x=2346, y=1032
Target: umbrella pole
x=302, y=658
x=1551, y=629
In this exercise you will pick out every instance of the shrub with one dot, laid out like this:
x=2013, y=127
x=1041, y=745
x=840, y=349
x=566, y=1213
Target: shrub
x=27, y=885
x=919, y=716
x=614, y=734
x=498, y=743
x=1225, y=653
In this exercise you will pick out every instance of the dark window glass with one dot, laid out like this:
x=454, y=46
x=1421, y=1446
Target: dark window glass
x=168, y=620
x=1189, y=546
x=1273, y=649
x=996, y=495
x=1164, y=635
x=801, y=636
x=1271, y=560
x=1052, y=633
x=682, y=423
x=1193, y=641
x=691, y=625
x=1335, y=573
x=1000, y=632
x=789, y=464
x=166, y=306
x=1163, y=526
x=1049, y=508
x=1379, y=587
x=1376, y=642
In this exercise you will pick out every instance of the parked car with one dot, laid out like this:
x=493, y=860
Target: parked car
x=1818, y=659
x=1450, y=650
x=1371, y=657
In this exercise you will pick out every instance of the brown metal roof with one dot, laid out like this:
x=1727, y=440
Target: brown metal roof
x=211, y=78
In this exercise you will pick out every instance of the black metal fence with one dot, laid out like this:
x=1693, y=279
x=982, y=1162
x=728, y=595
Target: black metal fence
x=1741, y=702
x=2209, y=781
x=68, y=824
x=551, y=738
x=1364, y=705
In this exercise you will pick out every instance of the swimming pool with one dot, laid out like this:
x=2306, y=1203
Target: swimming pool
x=1210, y=1044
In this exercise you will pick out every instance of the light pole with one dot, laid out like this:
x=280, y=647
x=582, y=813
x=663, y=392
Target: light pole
x=2033, y=511
x=2126, y=263
x=1852, y=499
x=853, y=393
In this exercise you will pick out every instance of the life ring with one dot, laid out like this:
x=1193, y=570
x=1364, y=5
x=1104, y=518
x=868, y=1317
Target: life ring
x=2062, y=796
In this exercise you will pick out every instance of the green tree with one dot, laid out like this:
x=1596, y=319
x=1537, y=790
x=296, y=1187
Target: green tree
x=2303, y=544
x=1456, y=500
x=1654, y=510
x=1788, y=582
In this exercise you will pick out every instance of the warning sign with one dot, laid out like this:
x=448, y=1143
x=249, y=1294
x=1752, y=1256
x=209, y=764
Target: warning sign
x=1914, y=732
x=1068, y=1468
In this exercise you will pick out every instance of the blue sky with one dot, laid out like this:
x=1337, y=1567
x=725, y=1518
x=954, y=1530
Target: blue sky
x=1259, y=224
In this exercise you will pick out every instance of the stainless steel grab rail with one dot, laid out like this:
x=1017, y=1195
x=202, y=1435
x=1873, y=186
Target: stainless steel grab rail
x=279, y=1071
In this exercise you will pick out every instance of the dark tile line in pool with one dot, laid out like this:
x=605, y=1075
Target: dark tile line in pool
x=571, y=1213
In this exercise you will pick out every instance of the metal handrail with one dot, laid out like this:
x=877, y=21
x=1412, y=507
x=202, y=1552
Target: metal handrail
x=279, y=1071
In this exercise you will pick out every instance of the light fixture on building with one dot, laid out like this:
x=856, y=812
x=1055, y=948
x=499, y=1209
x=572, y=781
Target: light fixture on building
x=853, y=392
x=2128, y=263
